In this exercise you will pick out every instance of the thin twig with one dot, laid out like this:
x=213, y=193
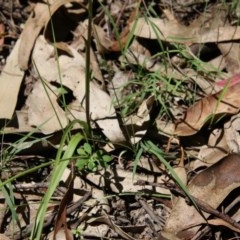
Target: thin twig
x=201, y=204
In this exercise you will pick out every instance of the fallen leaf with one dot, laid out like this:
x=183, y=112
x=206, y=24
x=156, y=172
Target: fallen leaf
x=224, y=102
x=10, y=82
x=211, y=186
x=231, y=133
x=61, y=235
x=4, y=237
x=30, y=32
x=165, y=128
x=106, y=44
x=137, y=125
x=44, y=112
x=110, y=223
x=170, y=31
x=231, y=53
x=102, y=41
x=231, y=81
x=212, y=152
x=230, y=50
x=182, y=174
x=219, y=221
x=209, y=87
x=2, y=33
x=119, y=180
x=35, y=23
x=72, y=76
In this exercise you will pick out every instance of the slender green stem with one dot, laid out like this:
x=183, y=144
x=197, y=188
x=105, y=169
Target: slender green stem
x=88, y=70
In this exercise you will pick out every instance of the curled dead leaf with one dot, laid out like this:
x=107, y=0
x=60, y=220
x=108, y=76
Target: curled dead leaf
x=171, y=31
x=10, y=81
x=35, y=23
x=106, y=44
x=224, y=102
x=72, y=78
x=211, y=186
x=137, y=124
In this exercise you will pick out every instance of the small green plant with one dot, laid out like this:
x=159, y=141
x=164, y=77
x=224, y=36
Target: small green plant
x=90, y=160
x=78, y=233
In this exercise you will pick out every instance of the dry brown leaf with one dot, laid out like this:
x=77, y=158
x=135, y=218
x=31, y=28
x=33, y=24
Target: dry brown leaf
x=64, y=47
x=219, y=221
x=4, y=237
x=230, y=50
x=61, y=235
x=10, y=81
x=44, y=60
x=31, y=30
x=165, y=128
x=78, y=43
x=35, y=23
x=205, y=109
x=182, y=174
x=119, y=180
x=234, y=79
x=103, y=113
x=22, y=117
x=2, y=33
x=107, y=45
x=137, y=125
x=102, y=41
x=72, y=75
x=44, y=112
x=231, y=53
x=45, y=64
x=138, y=58
x=63, y=23
x=211, y=153
x=217, y=63
x=231, y=133
x=156, y=28
x=114, y=227
x=211, y=186
x=209, y=87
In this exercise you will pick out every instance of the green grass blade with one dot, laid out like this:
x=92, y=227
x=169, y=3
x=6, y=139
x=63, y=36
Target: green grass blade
x=22, y=174
x=152, y=148
x=9, y=197
x=59, y=167
x=137, y=158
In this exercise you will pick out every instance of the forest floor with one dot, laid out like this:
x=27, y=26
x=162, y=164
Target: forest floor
x=119, y=119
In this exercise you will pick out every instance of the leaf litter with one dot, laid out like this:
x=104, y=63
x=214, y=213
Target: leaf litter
x=170, y=77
